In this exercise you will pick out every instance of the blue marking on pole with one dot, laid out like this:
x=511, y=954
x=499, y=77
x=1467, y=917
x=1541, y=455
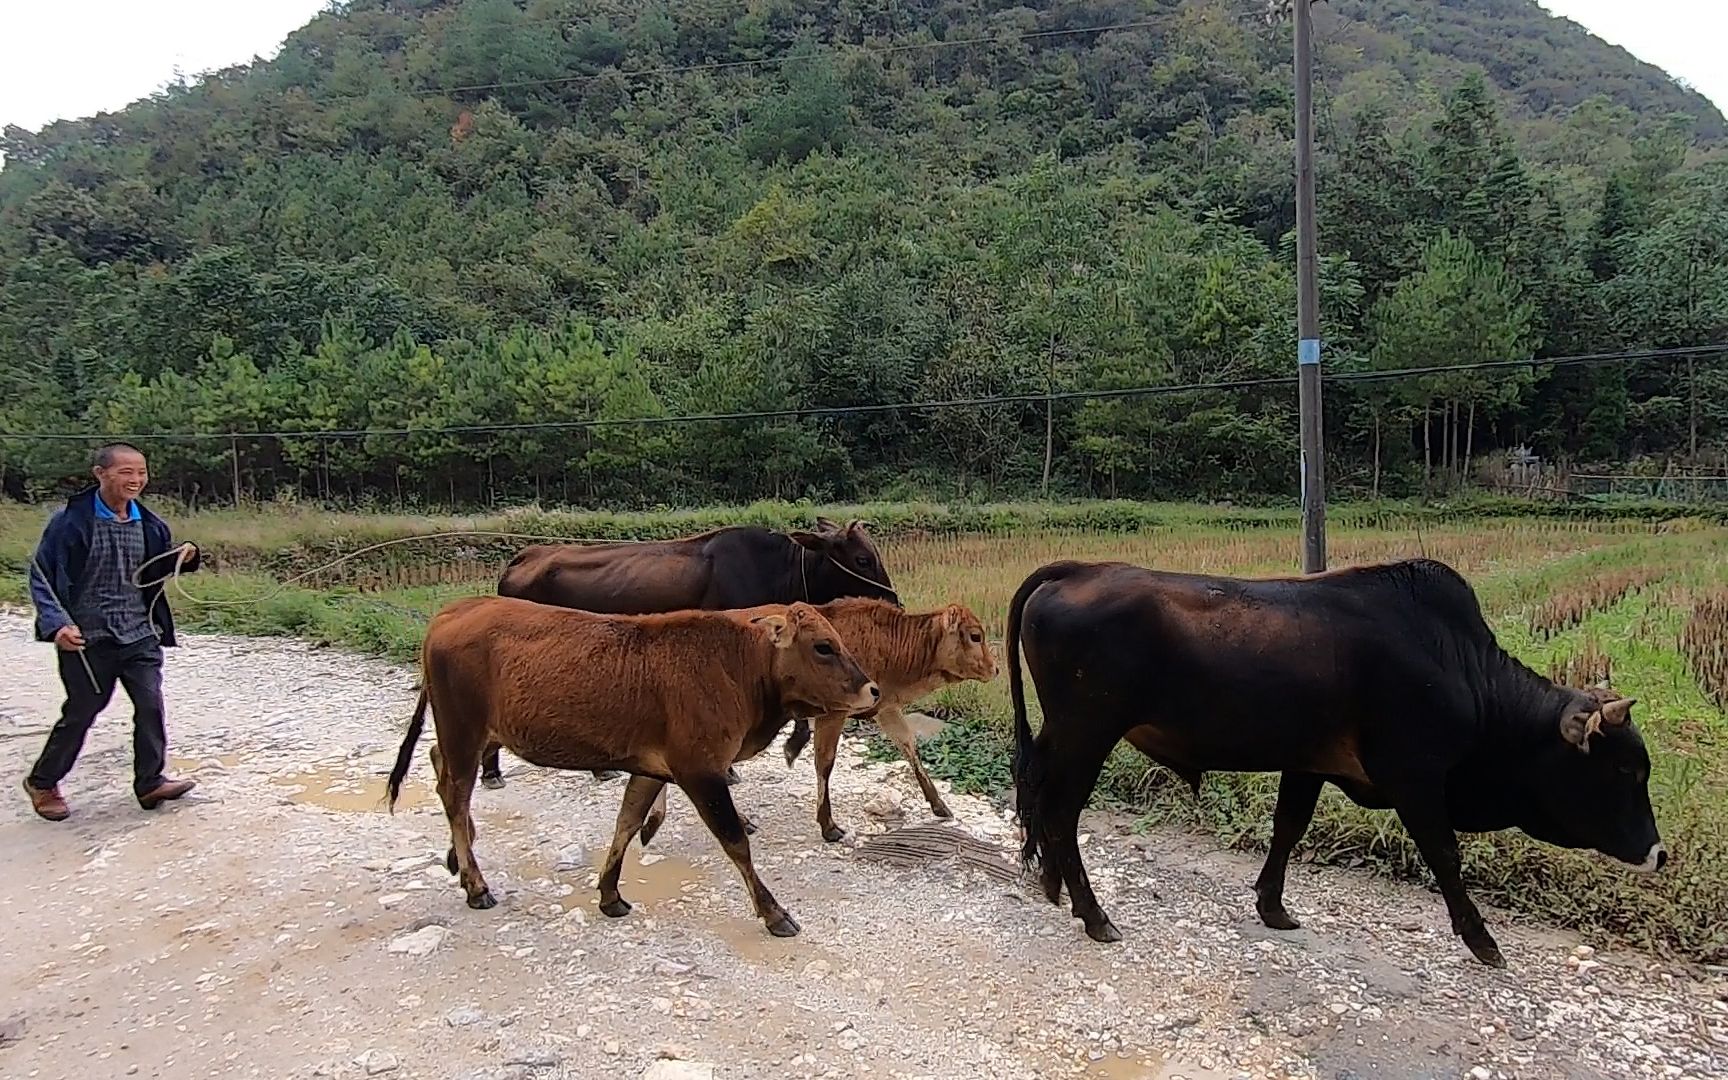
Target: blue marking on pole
x=1308, y=352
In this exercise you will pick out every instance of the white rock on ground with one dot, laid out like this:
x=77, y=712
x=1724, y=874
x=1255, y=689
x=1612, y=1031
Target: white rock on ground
x=932, y=972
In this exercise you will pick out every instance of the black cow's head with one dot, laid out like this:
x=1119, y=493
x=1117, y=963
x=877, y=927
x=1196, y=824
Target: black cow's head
x=850, y=566
x=1592, y=780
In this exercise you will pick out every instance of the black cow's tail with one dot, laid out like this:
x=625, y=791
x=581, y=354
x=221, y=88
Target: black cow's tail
x=1028, y=767
x=405, y=756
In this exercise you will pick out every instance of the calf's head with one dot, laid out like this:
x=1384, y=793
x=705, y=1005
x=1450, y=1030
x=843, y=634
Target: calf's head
x=849, y=566
x=1592, y=780
x=811, y=665
x=962, y=652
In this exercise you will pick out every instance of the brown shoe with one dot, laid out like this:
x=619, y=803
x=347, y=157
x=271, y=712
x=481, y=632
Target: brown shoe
x=47, y=803
x=166, y=791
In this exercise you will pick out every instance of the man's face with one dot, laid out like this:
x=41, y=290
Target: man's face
x=124, y=476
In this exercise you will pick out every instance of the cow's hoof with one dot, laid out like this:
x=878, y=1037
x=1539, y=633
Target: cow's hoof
x=450, y=860
x=615, y=909
x=785, y=926
x=749, y=826
x=483, y=901
x=791, y=755
x=833, y=833
x=732, y=776
x=1104, y=932
x=1278, y=919
x=941, y=810
x=493, y=782
x=1486, y=951
x=650, y=828
x=607, y=774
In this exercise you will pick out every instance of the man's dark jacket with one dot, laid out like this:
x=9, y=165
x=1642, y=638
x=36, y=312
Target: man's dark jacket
x=57, y=572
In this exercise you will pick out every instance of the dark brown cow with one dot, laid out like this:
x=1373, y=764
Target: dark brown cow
x=1384, y=681
x=908, y=655
x=736, y=567
x=671, y=698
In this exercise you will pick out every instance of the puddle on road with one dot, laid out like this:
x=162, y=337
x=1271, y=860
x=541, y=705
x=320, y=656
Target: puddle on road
x=194, y=762
x=1118, y=1067
x=333, y=789
x=745, y=935
x=1115, y=1067
x=664, y=879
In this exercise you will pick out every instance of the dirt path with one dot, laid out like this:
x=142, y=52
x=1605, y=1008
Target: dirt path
x=269, y=927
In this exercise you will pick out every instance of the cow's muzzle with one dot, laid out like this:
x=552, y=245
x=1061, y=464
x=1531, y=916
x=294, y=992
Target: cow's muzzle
x=1655, y=860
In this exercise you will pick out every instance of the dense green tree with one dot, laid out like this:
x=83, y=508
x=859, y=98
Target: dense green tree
x=423, y=228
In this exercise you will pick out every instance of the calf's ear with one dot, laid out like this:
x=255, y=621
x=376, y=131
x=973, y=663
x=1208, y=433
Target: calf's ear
x=779, y=632
x=1577, y=727
x=813, y=541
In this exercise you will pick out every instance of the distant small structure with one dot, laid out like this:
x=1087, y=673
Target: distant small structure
x=1523, y=466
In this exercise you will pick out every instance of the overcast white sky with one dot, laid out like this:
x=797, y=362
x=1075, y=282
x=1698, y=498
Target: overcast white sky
x=72, y=58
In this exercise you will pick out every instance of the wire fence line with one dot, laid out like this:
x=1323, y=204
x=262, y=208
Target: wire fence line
x=813, y=411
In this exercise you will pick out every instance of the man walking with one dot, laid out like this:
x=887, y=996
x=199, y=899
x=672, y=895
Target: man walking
x=97, y=583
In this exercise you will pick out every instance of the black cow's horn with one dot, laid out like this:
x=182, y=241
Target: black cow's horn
x=1617, y=712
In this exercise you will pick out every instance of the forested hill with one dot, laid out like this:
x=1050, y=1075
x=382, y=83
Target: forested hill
x=425, y=215
x=1542, y=64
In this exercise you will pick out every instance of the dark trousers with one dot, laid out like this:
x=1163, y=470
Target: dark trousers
x=138, y=668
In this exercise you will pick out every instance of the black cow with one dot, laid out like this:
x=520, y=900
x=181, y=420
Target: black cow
x=740, y=566
x=1384, y=680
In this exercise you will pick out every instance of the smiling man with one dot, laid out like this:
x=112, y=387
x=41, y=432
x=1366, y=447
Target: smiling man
x=96, y=581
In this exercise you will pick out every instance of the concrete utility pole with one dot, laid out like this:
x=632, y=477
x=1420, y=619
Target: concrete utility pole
x=1308, y=304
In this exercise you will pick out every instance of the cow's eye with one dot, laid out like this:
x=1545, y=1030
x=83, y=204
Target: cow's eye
x=863, y=560
x=976, y=637
x=824, y=649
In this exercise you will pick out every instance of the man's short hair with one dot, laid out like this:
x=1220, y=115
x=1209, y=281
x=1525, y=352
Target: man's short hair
x=104, y=456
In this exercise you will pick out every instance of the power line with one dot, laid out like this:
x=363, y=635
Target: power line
x=818, y=411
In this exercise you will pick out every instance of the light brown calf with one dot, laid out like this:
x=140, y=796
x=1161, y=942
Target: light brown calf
x=909, y=655
x=672, y=698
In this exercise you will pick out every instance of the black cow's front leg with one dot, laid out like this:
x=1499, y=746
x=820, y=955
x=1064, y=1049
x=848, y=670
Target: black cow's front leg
x=797, y=740
x=1298, y=793
x=491, y=775
x=1424, y=816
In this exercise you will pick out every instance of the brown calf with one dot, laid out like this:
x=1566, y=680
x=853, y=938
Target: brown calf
x=672, y=698
x=909, y=655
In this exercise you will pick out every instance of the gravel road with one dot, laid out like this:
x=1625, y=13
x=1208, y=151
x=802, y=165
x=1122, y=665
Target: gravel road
x=278, y=923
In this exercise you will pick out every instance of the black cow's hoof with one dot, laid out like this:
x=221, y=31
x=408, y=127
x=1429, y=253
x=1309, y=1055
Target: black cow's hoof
x=607, y=774
x=1279, y=919
x=615, y=909
x=1104, y=932
x=1486, y=951
x=833, y=833
x=450, y=860
x=941, y=810
x=649, y=828
x=732, y=776
x=785, y=926
x=493, y=782
x=483, y=901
